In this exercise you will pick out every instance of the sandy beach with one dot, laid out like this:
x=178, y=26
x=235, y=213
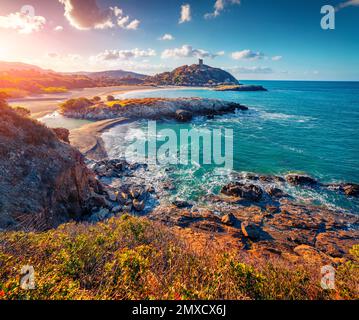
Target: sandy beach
x=45, y=104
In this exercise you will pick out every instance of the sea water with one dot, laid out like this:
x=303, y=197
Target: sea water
x=308, y=127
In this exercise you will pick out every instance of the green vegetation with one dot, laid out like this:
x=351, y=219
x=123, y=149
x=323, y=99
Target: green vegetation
x=76, y=104
x=134, y=258
x=54, y=90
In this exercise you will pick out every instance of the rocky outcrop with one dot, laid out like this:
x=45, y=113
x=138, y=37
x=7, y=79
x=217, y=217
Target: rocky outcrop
x=44, y=181
x=244, y=191
x=241, y=87
x=194, y=75
x=299, y=180
x=183, y=115
x=349, y=189
x=63, y=134
x=151, y=108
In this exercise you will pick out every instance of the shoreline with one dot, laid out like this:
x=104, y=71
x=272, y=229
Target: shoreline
x=88, y=140
x=43, y=105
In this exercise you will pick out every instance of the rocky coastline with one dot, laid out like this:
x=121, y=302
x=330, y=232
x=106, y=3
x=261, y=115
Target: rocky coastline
x=182, y=109
x=252, y=212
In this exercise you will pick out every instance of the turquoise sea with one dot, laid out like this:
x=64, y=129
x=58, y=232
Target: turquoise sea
x=310, y=127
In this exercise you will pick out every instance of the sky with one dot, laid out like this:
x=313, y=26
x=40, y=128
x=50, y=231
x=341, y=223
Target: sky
x=252, y=39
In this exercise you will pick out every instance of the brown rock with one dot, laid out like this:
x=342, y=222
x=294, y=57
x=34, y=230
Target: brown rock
x=298, y=179
x=63, y=134
x=229, y=219
x=138, y=205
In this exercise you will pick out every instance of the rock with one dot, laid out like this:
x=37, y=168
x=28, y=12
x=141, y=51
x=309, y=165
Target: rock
x=351, y=189
x=63, y=134
x=311, y=255
x=183, y=115
x=275, y=192
x=298, y=180
x=241, y=88
x=44, y=181
x=168, y=185
x=251, y=231
x=127, y=208
x=181, y=204
x=248, y=192
x=135, y=192
x=138, y=205
x=111, y=195
x=122, y=197
x=229, y=219
x=116, y=209
x=99, y=215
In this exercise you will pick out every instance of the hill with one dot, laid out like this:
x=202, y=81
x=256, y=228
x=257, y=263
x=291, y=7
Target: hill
x=44, y=180
x=194, y=75
x=10, y=66
x=114, y=74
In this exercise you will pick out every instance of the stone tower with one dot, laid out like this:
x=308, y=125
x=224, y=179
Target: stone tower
x=200, y=62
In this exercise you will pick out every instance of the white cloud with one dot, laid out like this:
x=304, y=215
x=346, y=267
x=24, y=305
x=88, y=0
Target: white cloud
x=219, y=6
x=59, y=28
x=251, y=70
x=349, y=3
x=117, y=11
x=133, y=25
x=247, y=55
x=85, y=15
x=185, y=13
x=125, y=54
x=124, y=23
x=22, y=22
x=187, y=51
x=166, y=37
x=277, y=58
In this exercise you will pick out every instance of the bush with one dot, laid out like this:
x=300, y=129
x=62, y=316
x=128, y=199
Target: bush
x=135, y=258
x=24, y=112
x=110, y=98
x=54, y=90
x=76, y=105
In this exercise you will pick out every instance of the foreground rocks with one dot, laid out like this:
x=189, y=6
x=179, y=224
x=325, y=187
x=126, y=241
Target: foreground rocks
x=44, y=181
x=182, y=109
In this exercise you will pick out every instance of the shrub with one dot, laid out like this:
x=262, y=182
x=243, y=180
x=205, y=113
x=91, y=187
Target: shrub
x=110, y=98
x=54, y=90
x=135, y=258
x=76, y=105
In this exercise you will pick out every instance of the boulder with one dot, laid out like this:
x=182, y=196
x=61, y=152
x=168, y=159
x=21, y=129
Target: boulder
x=138, y=205
x=183, y=115
x=181, y=204
x=298, y=180
x=351, y=189
x=63, y=134
x=275, y=192
x=248, y=192
x=229, y=219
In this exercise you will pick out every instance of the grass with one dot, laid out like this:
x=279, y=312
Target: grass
x=134, y=258
x=51, y=90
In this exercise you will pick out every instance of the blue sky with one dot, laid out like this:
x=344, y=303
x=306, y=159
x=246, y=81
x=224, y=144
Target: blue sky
x=253, y=39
